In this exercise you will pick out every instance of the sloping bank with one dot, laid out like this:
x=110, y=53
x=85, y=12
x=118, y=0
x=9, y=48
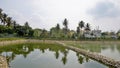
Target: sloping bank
x=3, y=43
x=105, y=60
x=3, y=62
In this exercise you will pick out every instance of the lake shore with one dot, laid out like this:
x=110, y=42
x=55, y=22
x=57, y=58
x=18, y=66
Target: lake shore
x=7, y=42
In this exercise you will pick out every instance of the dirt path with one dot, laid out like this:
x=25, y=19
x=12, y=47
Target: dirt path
x=3, y=62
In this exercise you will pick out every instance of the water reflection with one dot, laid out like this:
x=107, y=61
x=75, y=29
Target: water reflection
x=109, y=50
x=60, y=53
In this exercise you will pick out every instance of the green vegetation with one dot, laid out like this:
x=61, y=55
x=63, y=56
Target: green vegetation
x=10, y=39
x=10, y=28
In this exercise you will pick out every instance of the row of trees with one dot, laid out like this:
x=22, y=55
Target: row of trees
x=65, y=32
x=9, y=27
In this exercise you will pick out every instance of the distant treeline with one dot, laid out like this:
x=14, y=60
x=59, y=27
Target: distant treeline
x=10, y=28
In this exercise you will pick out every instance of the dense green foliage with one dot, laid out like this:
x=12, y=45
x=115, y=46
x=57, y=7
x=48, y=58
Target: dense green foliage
x=10, y=28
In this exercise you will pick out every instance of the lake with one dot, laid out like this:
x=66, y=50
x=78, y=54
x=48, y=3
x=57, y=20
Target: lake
x=111, y=50
x=47, y=56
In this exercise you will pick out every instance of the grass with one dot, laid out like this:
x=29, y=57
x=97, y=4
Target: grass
x=10, y=39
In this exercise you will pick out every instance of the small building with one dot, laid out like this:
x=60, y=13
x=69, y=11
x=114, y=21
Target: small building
x=96, y=33
x=92, y=34
x=87, y=34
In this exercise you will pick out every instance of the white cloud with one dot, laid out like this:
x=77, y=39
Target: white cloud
x=47, y=13
x=17, y=16
x=106, y=15
x=54, y=11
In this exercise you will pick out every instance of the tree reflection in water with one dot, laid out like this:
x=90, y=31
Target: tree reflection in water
x=82, y=58
x=10, y=52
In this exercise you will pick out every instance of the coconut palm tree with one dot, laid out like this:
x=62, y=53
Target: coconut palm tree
x=87, y=27
x=58, y=27
x=65, y=23
x=81, y=24
x=78, y=30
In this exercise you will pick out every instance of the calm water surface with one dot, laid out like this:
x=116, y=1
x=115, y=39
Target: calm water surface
x=47, y=56
x=109, y=50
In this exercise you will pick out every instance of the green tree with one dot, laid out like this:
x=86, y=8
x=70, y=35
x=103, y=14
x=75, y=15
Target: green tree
x=81, y=24
x=87, y=27
x=44, y=34
x=65, y=23
x=58, y=27
x=27, y=29
x=37, y=33
x=78, y=30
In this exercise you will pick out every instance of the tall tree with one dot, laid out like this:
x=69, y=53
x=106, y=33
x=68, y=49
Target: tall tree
x=58, y=27
x=27, y=28
x=81, y=24
x=78, y=30
x=87, y=27
x=65, y=23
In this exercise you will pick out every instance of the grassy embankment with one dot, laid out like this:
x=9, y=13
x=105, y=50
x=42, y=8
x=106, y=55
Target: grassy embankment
x=10, y=39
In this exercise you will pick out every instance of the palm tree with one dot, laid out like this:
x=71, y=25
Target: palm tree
x=78, y=30
x=58, y=27
x=87, y=27
x=65, y=23
x=81, y=24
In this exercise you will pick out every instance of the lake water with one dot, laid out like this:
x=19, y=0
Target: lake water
x=109, y=50
x=46, y=56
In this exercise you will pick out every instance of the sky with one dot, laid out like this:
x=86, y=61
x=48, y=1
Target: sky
x=104, y=14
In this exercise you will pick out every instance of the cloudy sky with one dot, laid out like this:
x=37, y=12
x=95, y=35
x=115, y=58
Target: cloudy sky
x=47, y=13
